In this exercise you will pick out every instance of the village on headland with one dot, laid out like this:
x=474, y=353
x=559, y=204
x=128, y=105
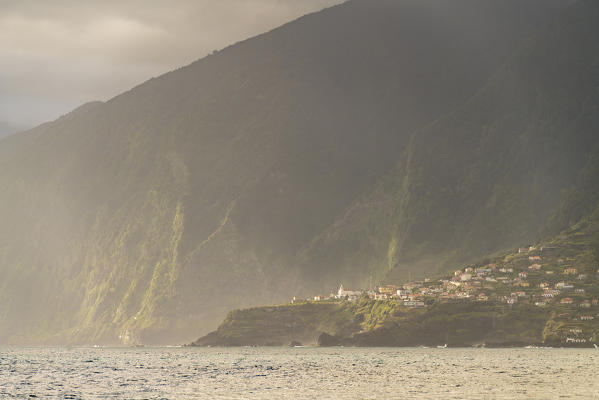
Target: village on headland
x=548, y=277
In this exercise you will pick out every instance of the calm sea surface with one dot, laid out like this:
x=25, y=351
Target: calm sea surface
x=298, y=373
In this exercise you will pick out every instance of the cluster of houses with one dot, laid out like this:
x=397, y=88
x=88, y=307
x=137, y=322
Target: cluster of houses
x=406, y=293
x=524, y=279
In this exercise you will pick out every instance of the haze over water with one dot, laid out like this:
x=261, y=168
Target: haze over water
x=298, y=373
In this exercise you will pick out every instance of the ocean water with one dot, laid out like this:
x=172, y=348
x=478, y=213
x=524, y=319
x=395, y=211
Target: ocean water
x=298, y=373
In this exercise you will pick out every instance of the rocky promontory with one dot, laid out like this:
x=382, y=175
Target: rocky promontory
x=388, y=323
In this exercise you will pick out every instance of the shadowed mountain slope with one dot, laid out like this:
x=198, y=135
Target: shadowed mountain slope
x=519, y=155
x=146, y=218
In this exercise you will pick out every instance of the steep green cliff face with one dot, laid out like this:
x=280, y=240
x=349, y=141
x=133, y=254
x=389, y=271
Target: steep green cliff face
x=251, y=176
x=487, y=176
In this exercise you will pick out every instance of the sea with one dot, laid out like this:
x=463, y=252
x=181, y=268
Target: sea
x=298, y=373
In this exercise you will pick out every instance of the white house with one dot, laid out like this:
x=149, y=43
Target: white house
x=342, y=292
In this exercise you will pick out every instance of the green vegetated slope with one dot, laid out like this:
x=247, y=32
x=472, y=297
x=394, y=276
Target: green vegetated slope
x=488, y=175
x=283, y=325
x=381, y=323
x=533, y=320
x=146, y=218
x=301, y=322
x=493, y=323
x=577, y=248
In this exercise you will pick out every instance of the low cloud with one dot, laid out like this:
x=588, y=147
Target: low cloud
x=59, y=54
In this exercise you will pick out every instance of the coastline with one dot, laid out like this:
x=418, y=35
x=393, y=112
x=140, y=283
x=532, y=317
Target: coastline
x=367, y=323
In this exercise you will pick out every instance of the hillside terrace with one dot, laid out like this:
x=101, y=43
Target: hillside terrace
x=547, y=278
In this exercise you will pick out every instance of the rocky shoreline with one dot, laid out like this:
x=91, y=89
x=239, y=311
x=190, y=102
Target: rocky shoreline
x=368, y=323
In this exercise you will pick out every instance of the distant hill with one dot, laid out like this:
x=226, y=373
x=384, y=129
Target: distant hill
x=234, y=181
x=8, y=129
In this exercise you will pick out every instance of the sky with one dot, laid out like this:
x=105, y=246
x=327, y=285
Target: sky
x=56, y=55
